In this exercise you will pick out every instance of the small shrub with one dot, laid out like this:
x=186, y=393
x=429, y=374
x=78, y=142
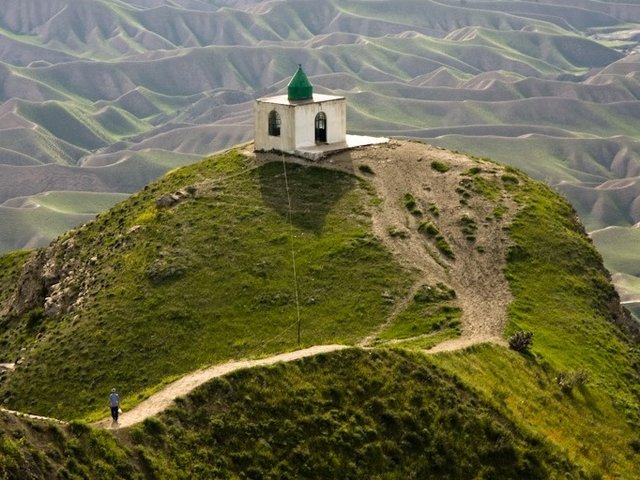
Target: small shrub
x=397, y=232
x=409, y=201
x=444, y=247
x=510, y=179
x=567, y=380
x=79, y=428
x=521, y=341
x=153, y=427
x=366, y=169
x=469, y=227
x=440, y=166
x=434, y=210
x=411, y=204
x=432, y=294
x=428, y=228
x=35, y=318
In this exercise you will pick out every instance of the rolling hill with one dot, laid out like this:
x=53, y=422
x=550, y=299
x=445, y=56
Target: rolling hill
x=98, y=95
x=428, y=258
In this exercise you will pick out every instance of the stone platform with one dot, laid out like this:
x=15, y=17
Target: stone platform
x=316, y=152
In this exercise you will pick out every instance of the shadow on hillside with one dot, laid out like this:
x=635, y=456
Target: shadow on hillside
x=313, y=191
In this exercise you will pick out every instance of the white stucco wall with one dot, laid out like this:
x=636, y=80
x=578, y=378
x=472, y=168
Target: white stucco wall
x=336, y=112
x=263, y=141
x=297, y=122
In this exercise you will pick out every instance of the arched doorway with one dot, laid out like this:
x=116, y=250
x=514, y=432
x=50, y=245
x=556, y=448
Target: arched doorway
x=321, y=128
x=274, y=123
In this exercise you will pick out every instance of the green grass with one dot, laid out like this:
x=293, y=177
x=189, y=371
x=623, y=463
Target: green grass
x=411, y=204
x=209, y=280
x=444, y=247
x=440, y=166
x=433, y=209
x=584, y=423
x=562, y=294
x=433, y=310
x=352, y=414
x=41, y=450
x=429, y=229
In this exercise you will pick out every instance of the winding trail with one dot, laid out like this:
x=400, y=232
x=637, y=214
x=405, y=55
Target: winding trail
x=476, y=274
x=33, y=417
x=159, y=401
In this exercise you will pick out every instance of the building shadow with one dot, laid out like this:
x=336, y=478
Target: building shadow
x=313, y=192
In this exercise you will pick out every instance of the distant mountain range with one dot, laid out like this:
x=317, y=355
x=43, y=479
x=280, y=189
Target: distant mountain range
x=103, y=96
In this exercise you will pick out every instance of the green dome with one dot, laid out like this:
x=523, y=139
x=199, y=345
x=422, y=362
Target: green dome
x=299, y=87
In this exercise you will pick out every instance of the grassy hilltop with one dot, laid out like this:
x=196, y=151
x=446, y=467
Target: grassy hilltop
x=402, y=247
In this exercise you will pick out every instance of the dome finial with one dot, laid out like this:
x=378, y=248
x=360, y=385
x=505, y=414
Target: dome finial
x=299, y=87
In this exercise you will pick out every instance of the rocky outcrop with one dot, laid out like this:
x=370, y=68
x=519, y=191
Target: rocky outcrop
x=172, y=199
x=32, y=287
x=51, y=279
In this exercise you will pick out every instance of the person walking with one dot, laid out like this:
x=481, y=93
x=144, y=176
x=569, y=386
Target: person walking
x=114, y=402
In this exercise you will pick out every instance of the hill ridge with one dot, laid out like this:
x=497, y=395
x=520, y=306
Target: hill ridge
x=402, y=246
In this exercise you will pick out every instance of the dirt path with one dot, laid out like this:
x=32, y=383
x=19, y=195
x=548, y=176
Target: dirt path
x=476, y=273
x=32, y=417
x=162, y=399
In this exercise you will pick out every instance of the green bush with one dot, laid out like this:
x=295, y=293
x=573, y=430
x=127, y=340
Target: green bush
x=510, y=179
x=433, y=210
x=411, y=204
x=366, y=169
x=440, y=166
x=521, y=341
x=444, y=247
x=429, y=229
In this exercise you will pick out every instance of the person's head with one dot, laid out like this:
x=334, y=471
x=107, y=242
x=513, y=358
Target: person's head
x=113, y=390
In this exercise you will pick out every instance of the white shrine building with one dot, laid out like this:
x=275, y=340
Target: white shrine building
x=304, y=123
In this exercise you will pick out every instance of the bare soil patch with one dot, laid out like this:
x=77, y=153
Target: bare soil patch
x=476, y=272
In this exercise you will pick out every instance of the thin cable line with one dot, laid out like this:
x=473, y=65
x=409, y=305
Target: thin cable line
x=291, y=242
